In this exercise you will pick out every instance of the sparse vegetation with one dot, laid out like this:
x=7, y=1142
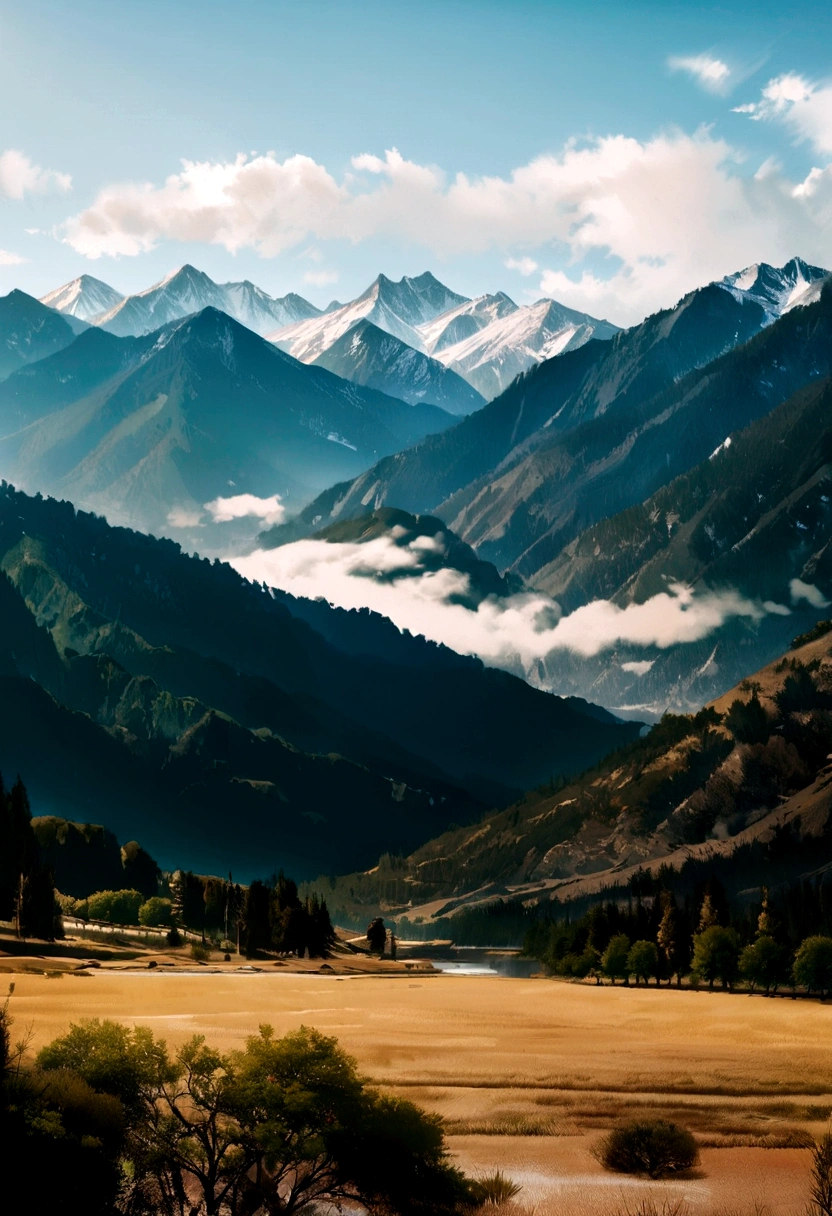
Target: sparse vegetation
x=656, y=1148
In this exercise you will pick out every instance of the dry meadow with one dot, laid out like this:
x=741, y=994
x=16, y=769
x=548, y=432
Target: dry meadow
x=527, y=1073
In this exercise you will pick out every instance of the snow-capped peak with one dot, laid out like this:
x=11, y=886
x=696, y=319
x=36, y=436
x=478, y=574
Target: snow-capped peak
x=85, y=298
x=776, y=289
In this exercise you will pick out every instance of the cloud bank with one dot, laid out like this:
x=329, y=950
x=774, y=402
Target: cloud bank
x=515, y=632
x=666, y=214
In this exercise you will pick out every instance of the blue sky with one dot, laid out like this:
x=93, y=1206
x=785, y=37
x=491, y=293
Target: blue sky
x=663, y=184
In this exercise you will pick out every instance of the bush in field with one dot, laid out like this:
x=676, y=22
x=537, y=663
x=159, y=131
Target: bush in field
x=716, y=953
x=650, y=1146
x=614, y=960
x=117, y=907
x=822, y=1176
x=763, y=963
x=156, y=911
x=199, y=953
x=495, y=1189
x=813, y=965
x=643, y=961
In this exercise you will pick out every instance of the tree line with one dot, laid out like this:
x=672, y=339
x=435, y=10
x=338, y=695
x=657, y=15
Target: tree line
x=779, y=941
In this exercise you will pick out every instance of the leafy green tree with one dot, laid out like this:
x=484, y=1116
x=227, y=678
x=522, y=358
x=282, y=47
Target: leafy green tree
x=643, y=961
x=156, y=911
x=115, y=907
x=284, y=1126
x=114, y=1059
x=821, y=1188
x=257, y=919
x=615, y=959
x=716, y=955
x=763, y=964
x=812, y=968
x=707, y=913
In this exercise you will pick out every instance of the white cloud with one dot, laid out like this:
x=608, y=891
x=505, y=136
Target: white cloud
x=668, y=213
x=809, y=592
x=18, y=176
x=320, y=278
x=184, y=517
x=638, y=667
x=240, y=506
x=11, y=259
x=516, y=632
x=711, y=73
x=805, y=107
x=524, y=266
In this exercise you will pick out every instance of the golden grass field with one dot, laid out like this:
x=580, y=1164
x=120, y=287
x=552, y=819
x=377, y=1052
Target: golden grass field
x=527, y=1073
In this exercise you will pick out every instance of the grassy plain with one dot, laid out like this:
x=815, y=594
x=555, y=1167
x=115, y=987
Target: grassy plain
x=527, y=1073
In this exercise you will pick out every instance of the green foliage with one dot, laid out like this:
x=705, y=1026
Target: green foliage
x=763, y=964
x=156, y=911
x=376, y=935
x=115, y=907
x=747, y=721
x=643, y=961
x=653, y=1147
x=615, y=961
x=200, y=953
x=716, y=955
x=27, y=884
x=112, y=1058
x=812, y=968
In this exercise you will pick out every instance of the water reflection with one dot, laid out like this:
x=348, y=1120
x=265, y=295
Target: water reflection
x=485, y=962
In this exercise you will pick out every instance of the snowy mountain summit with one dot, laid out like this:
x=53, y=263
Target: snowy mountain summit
x=397, y=308
x=85, y=298
x=179, y=294
x=777, y=289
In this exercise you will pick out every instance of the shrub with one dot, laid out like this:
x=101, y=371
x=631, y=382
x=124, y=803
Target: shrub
x=155, y=911
x=495, y=1189
x=822, y=1176
x=116, y=907
x=174, y=937
x=813, y=965
x=199, y=953
x=651, y=1146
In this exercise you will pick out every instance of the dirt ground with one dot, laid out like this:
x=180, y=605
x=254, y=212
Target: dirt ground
x=527, y=1073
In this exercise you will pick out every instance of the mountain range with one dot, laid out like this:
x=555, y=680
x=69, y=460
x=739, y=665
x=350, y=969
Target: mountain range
x=497, y=477
x=148, y=430
x=178, y=295
x=167, y=697
x=486, y=341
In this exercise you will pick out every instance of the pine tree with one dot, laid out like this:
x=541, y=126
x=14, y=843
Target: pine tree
x=707, y=914
x=668, y=938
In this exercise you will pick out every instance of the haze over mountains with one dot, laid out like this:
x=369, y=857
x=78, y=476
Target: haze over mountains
x=148, y=430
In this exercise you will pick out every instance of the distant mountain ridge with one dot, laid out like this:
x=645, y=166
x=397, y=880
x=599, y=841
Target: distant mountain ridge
x=181, y=293
x=497, y=477
x=147, y=430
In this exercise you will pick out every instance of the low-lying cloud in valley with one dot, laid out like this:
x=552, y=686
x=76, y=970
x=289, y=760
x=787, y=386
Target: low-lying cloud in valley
x=515, y=632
